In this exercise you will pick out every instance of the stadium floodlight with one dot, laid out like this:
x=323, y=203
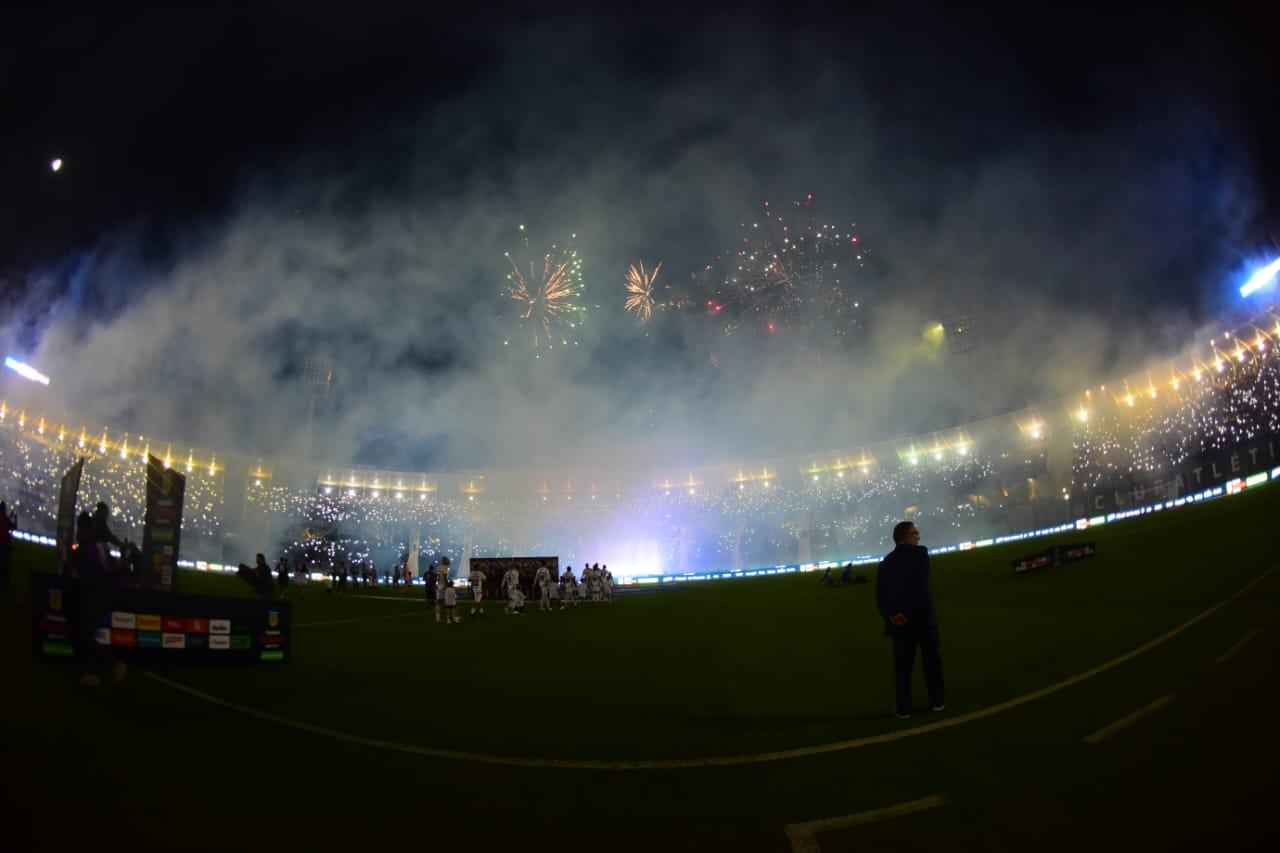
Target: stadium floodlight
x=25, y=370
x=1261, y=278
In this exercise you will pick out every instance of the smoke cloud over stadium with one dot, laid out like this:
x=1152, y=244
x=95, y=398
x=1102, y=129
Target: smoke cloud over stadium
x=1068, y=250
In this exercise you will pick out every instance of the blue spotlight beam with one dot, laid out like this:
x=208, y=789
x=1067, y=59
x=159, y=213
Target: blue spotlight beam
x=1261, y=278
x=25, y=370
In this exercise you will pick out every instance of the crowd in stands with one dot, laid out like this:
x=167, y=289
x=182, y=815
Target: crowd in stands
x=31, y=470
x=1136, y=432
x=959, y=495
x=746, y=524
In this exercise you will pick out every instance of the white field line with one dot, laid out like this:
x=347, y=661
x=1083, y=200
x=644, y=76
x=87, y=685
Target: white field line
x=1124, y=722
x=1240, y=644
x=714, y=760
x=802, y=835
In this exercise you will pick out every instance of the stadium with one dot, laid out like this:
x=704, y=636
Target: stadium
x=744, y=734
x=743, y=307
x=1184, y=426
x=1102, y=624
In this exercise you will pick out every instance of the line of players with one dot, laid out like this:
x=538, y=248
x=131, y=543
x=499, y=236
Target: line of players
x=360, y=575
x=596, y=585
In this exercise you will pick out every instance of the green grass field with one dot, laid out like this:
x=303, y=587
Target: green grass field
x=707, y=715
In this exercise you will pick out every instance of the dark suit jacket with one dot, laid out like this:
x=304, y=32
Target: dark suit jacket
x=902, y=586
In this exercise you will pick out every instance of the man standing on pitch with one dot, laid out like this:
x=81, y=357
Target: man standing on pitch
x=906, y=605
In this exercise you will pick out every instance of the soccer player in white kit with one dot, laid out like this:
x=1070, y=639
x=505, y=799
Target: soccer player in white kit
x=593, y=582
x=511, y=583
x=476, y=579
x=543, y=579
x=570, y=588
x=451, y=605
x=300, y=576
x=442, y=584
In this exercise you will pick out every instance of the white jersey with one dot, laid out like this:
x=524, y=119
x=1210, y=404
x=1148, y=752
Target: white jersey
x=511, y=580
x=450, y=597
x=442, y=578
x=476, y=579
x=543, y=576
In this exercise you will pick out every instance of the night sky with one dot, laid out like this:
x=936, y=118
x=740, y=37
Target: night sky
x=1093, y=170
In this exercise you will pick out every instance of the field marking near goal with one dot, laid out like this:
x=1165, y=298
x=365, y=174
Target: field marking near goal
x=714, y=760
x=802, y=835
x=1124, y=722
x=1240, y=644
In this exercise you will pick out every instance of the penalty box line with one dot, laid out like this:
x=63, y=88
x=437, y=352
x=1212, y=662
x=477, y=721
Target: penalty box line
x=715, y=760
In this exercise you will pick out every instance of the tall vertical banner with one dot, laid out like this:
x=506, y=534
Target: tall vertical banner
x=67, y=516
x=161, y=526
x=415, y=542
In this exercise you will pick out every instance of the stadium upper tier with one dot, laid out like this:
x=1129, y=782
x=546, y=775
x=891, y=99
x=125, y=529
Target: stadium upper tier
x=1029, y=468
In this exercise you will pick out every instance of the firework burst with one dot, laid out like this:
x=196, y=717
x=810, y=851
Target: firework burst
x=546, y=290
x=640, y=291
x=790, y=270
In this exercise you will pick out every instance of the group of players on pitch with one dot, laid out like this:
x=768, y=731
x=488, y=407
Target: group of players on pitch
x=553, y=593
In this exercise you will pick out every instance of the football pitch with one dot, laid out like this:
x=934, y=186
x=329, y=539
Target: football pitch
x=1121, y=701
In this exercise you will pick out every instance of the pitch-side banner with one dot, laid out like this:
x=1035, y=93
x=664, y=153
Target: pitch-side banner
x=1058, y=555
x=162, y=526
x=67, y=516
x=1201, y=471
x=152, y=627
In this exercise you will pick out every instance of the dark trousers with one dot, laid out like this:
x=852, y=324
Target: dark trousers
x=95, y=602
x=904, y=659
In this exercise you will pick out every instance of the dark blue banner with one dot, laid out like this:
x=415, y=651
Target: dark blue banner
x=67, y=515
x=153, y=627
x=162, y=526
